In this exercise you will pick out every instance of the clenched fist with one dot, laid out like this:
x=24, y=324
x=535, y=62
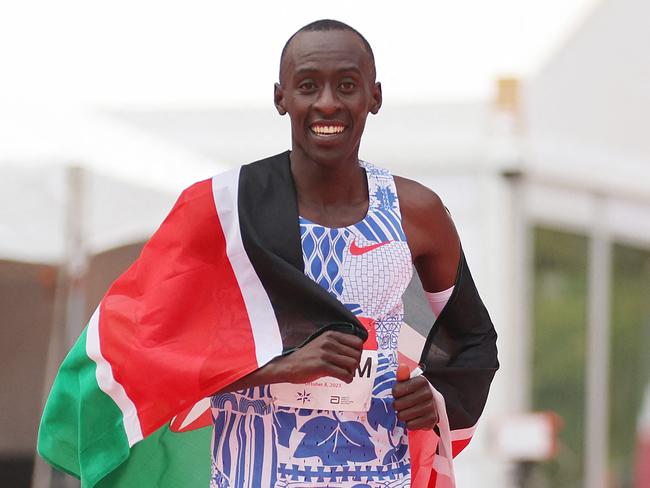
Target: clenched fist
x=332, y=353
x=414, y=402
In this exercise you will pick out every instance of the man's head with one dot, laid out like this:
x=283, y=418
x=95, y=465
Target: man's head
x=328, y=25
x=327, y=86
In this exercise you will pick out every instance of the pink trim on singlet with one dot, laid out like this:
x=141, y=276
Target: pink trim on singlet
x=438, y=299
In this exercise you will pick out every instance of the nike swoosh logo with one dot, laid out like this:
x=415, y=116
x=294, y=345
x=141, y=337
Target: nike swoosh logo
x=358, y=251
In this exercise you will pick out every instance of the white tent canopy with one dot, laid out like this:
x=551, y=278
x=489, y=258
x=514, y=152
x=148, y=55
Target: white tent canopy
x=587, y=119
x=130, y=180
x=588, y=110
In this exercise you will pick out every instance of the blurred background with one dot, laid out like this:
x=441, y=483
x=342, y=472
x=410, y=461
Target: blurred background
x=530, y=119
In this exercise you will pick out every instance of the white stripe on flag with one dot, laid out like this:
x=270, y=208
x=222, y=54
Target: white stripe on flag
x=444, y=479
x=462, y=434
x=195, y=412
x=107, y=383
x=443, y=463
x=266, y=333
x=410, y=342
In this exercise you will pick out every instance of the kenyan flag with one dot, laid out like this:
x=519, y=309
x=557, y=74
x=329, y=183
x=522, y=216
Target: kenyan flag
x=203, y=306
x=218, y=292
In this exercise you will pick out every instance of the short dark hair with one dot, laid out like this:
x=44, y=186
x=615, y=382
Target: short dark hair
x=329, y=25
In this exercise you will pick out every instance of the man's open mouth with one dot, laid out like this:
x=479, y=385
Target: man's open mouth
x=326, y=130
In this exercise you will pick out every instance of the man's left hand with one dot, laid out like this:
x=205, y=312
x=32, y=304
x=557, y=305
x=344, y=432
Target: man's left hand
x=414, y=401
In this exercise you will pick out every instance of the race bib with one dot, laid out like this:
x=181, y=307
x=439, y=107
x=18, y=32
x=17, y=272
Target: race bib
x=329, y=393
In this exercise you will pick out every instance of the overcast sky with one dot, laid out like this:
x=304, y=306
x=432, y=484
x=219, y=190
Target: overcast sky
x=195, y=53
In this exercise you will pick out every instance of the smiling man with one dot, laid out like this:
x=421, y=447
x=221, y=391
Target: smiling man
x=362, y=230
x=278, y=285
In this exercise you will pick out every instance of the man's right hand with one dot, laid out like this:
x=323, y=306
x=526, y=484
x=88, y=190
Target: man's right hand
x=335, y=354
x=332, y=353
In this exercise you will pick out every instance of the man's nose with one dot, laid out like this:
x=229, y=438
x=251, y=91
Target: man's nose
x=328, y=101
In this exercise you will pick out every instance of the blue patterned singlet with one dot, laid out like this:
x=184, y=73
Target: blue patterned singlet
x=258, y=444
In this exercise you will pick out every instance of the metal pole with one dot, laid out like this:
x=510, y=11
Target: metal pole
x=521, y=274
x=69, y=309
x=77, y=258
x=598, y=326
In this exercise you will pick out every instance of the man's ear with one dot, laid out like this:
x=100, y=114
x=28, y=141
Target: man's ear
x=377, y=98
x=278, y=99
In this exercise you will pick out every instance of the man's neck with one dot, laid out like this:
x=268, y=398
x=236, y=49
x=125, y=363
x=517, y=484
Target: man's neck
x=334, y=194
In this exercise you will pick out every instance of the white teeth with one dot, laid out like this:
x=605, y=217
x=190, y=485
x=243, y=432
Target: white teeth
x=328, y=129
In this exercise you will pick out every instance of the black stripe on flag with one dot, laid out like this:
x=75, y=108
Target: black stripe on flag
x=460, y=355
x=268, y=218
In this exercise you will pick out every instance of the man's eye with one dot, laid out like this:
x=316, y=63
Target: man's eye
x=307, y=86
x=347, y=86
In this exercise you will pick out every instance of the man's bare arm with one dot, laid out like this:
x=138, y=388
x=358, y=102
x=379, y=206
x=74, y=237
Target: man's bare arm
x=335, y=354
x=431, y=235
x=435, y=248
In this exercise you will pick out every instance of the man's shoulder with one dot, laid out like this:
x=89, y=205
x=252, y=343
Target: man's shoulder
x=416, y=198
x=427, y=223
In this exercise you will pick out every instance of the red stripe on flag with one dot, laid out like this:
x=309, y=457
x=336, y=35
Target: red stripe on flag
x=433, y=480
x=459, y=445
x=174, y=326
x=422, y=448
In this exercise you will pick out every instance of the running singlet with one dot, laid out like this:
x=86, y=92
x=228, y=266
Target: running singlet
x=258, y=444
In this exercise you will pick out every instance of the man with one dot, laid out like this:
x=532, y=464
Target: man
x=327, y=87
x=285, y=272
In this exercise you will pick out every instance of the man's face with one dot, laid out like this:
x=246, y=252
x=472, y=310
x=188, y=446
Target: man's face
x=327, y=86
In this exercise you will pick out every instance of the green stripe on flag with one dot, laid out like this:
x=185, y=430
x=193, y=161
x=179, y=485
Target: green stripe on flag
x=82, y=433
x=166, y=459
x=81, y=430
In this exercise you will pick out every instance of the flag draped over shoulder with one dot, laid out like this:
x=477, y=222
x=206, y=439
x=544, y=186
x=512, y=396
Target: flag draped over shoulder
x=218, y=292
x=459, y=358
